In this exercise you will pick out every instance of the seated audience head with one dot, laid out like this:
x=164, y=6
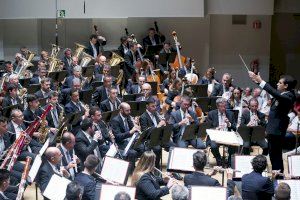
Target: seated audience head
x=199, y=160
x=53, y=155
x=53, y=97
x=42, y=71
x=146, y=164
x=77, y=71
x=107, y=81
x=256, y=92
x=221, y=104
x=12, y=90
x=176, y=84
x=74, y=61
x=68, y=52
x=106, y=70
x=13, y=79
x=237, y=93
x=179, y=192
x=91, y=163
x=9, y=66
x=87, y=125
x=141, y=80
x=259, y=163
x=122, y=196
x=74, y=94
x=45, y=84
x=74, y=191
x=102, y=60
x=248, y=91
x=4, y=179
x=133, y=46
x=282, y=192
x=113, y=93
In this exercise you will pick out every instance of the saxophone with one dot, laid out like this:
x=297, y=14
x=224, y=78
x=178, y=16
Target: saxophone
x=43, y=130
x=61, y=124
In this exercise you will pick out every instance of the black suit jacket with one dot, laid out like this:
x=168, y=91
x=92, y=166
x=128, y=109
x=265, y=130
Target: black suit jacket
x=105, y=105
x=69, y=82
x=199, y=179
x=157, y=38
x=90, y=51
x=214, y=119
x=89, y=184
x=40, y=94
x=278, y=120
x=256, y=187
x=44, y=175
x=118, y=129
x=100, y=95
x=34, y=80
x=83, y=146
x=245, y=119
x=7, y=101
x=129, y=68
x=146, y=121
x=175, y=118
x=68, y=67
x=218, y=90
x=121, y=49
x=148, y=188
x=50, y=118
x=30, y=116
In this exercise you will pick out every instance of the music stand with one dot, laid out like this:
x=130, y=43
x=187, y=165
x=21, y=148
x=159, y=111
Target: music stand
x=198, y=90
x=142, y=138
x=88, y=71
x=204, y=103
x=202, y=129
x=131, y=97
x=258, y=133
x=62, y=75
x=114, y=70
x=165, y=58
x=54, y=76
x=137, y=107
x=160, y=135
x=153, y=87
x=86, y=96
x=152, y=50
x=33, y=88
x=25, y=82
x=190, y=132
x=32, y=68
x=245, y=133
x=107, y=116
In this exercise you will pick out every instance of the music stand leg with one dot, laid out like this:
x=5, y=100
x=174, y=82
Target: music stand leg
x=36, y=192
x=223, y=165
x=297, y=138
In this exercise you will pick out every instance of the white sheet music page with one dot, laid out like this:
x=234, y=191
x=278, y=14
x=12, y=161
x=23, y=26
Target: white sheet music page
x=294, y=165
x=112, y=151
x=182, y=159
x=108, y=192
x=34, y=168
x=45, y=146
x=295, y=188
x=210, y=193
x=56, y=188
x=114, y=169
x=225, y=137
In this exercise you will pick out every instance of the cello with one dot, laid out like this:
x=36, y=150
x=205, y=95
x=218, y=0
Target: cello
x=179, y=60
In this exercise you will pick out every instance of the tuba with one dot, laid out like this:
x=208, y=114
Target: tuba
x=115, y=60
x=86, y=59
x=30, y=55
x=79, y=49
x=22, y=71
x=55, y=64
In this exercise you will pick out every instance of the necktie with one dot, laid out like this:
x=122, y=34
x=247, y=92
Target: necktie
x=55, y=117
x=69, y=160
x=78, y=106
x=126, y=125
x=154, y=120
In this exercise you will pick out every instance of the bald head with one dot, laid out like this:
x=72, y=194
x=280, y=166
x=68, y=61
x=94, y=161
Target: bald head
x=125, y=109
x=53, y=155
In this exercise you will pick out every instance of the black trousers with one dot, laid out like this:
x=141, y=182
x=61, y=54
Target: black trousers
x=275, y=151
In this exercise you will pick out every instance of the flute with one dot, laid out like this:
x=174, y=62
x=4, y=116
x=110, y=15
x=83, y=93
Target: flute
x=221, y=169
x=75, y=162
x=165, y=174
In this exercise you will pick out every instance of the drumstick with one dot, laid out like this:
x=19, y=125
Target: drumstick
x=244, y=62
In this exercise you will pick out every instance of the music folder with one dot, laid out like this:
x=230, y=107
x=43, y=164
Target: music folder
x=108, y=192
x=294, y=185
x=165, y=58
x=225, y=137
x=294, y=165
x=115, y=170
x=152, y=50
x=52, y=190
x=137, y=107
x=198, y=90
x=190, y=132
x=209, y=192
x=160, y=135
x=131, y=97
x=107, y=116
x=25, y=82
x=58, y=76
x=88, y=71
x=86, y=96
x=181, y=160
x=33, y=88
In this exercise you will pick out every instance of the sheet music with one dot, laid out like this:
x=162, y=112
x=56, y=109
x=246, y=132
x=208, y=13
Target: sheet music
x=112, y=151
x=182, y=159
x=210, y=193
x=130, y=143
x=108, y=192
x=243, y=164
x=225, y=137
x=34, y=168
x=294, y=185
x=114, y=169
x=52, y=190
x=294, y=165
x=45, y=146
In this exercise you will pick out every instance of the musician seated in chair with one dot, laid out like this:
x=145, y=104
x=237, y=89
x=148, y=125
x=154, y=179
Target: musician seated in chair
x=225, y=86
x=223, y=120
x=16, y=127
x=102, y=92
x=112, y=103
x=6, y=192
x=124, y=128
x=130, y=58
x=67, y=60
x=180, y=119
x=51, y=164
x=250, y=118
x=12, y=98
x=45, y=88
x=76, y=74
x=147, y=94
x=174, y=90
x=33, y=110
x=64, y=97
x=99, y=65
x=69, y=159
x=165, y=68
x=41, y=74
x=94, y=45
x=136, y=88
x=153, y=38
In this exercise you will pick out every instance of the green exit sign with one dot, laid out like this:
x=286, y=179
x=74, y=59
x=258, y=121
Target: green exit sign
x=61, y=13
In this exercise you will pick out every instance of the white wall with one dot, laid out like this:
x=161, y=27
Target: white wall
x=227, y=41
x=16, y=9
x=240, y=7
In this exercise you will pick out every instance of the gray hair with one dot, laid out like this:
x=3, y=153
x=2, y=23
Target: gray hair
x=122, y=196
x=13, y=76
x=220, y=100
x=180, y=192
x=77, y=68
x=76, y=80
x=233, y=197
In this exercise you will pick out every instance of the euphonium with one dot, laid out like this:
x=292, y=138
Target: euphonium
x=61, y=124
x=23, y=69
x=78, y=49
x=115, y=60
x=55, y=64
x=86, y=59
x=120, y=77
x=55, y=50
x=30, y=56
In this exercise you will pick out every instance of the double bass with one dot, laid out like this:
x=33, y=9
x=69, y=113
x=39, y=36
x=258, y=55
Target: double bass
x=179, y=60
